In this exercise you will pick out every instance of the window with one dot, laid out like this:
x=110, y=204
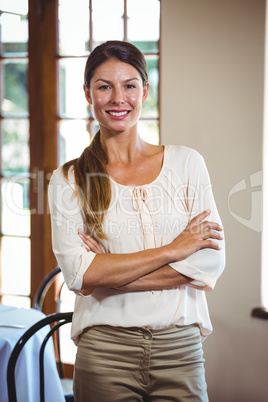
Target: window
x=14, y=128
x=122, y=20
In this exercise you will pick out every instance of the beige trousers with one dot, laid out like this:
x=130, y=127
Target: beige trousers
x=137, y=364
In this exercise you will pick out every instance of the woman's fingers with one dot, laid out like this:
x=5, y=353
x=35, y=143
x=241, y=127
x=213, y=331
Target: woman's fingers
x=90, y=242
x=210, y=244
x=199, y=218
x=211, y=234
x=206, y=231
x=205, y=226
x=85, y=247
x=199, y=224
x=199, y=234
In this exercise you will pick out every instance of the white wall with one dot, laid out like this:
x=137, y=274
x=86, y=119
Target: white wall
x=212, y=67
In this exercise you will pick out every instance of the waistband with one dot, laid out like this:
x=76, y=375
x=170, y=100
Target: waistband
x=172, y=332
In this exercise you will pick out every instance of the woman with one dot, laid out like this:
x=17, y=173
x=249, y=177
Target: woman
x=151, y=242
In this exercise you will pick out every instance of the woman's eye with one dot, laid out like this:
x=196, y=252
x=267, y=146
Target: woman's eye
x=104, y=87
x=130, y=86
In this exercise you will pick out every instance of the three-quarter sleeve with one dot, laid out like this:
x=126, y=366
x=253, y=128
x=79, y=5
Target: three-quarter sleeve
x=66, y=219
x=206, y=265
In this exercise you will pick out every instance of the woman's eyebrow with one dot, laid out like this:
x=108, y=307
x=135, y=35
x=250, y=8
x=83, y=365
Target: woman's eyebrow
x=131, y=79
x=103, y=80
x=109, y=82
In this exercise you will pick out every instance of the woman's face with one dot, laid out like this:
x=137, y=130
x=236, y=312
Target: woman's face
x=116, y=93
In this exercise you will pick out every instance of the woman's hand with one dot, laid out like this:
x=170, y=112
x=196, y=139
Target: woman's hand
x=198, y=234
x=117, y=270
x=89, y=243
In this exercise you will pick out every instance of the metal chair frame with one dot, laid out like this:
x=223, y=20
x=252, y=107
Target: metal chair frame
x=41, y=292
x=58, y=318
x=38, y=301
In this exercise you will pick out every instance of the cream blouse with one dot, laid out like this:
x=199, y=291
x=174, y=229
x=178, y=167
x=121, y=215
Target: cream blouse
x=141, y=217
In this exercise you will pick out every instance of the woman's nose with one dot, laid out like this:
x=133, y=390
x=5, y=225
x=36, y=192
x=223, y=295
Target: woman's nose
x=117, y=96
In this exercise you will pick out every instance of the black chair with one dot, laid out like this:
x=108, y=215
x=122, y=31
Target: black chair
x=52, y=277
x=38, y=301
x=58, y=319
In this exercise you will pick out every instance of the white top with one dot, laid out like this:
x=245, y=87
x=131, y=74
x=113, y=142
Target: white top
x=139, y=218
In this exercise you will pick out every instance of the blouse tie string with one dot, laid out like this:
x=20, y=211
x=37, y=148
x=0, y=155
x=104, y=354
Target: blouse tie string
x=142, y=207
x=139, y=196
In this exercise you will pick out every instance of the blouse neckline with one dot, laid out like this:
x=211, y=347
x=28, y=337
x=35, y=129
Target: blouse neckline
x=147, y=184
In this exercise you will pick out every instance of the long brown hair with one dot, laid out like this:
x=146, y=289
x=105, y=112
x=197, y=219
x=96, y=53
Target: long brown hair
x=93, y=186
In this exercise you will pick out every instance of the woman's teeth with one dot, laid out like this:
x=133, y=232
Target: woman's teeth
x=118, y=113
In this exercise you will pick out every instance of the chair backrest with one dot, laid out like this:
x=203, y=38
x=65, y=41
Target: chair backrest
x=58, y=319
x=64, y=303
x=53, y=276
x=43, y=288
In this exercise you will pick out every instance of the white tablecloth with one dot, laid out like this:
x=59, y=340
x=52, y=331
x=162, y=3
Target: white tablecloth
x=27, y=367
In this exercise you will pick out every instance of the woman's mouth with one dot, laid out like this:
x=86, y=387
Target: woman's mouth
x=118, y=114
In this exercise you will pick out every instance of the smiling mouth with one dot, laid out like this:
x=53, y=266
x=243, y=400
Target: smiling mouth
x=118, y=114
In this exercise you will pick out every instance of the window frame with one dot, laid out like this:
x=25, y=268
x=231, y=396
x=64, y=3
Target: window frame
x=44, y=119
x=42, y=87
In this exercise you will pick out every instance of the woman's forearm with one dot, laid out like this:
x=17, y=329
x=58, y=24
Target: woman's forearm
x=114, y=270
x=162, y=278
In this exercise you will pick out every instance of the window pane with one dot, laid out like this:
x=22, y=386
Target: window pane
x=150, y=106
x=74, y=138
x=72, y=102
x=15, y=102
x=73, y=27
x=15, y=263
x=107, y=18
x=14, y=29
x=15, y=147
x=149, y=131
x=15, y=207
x=143, y=27
x=14, y=6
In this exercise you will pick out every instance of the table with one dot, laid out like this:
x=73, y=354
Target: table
x=27, y=367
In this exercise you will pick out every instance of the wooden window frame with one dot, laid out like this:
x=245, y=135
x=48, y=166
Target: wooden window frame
x=42, y=87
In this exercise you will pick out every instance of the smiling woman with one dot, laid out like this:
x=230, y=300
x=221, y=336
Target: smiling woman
x=139, y=289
